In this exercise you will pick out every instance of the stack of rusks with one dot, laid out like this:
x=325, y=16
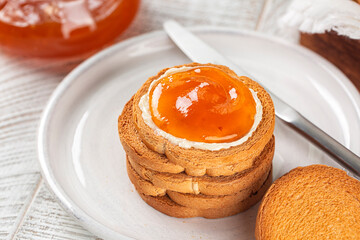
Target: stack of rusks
x=183, y=180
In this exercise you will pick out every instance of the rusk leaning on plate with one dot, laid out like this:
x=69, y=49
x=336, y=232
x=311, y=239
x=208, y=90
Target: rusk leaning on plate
x=331, y=28
x=313, y=202
x=199, y=141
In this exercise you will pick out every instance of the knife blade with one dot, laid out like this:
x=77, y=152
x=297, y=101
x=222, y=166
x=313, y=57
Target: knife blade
x=199, y=51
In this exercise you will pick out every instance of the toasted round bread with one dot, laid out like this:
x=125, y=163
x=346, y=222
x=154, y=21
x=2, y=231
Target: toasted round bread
x=222, y=185
x=221, y=201
x=195, y=200
x=143, y=186
x=137, y=150
x=165, y=205
x=141, y=154
x=313, y=202
x=204, y=159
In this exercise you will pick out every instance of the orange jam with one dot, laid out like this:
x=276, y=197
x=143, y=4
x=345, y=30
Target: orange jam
x=58, y=28
x=202, y=104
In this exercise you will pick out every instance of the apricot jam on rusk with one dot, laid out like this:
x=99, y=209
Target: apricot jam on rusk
x=202, y=104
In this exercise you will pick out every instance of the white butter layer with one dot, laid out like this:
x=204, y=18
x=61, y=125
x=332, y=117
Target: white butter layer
x=319, y=16
x=184, y=143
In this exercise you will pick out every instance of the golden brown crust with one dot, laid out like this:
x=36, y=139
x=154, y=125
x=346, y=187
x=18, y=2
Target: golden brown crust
x=137, y=150
x=204, y=159
x=313, y=202
x=207, y=185
x=165, y=205
x=219, y=201
x=192, y=182
x=192, y=200
x=141, y=154
x=143, y=186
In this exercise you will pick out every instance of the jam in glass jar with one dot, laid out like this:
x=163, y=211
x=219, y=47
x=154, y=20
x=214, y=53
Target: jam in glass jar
x=61, y=28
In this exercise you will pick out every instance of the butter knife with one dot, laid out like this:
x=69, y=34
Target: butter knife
x=201, y=52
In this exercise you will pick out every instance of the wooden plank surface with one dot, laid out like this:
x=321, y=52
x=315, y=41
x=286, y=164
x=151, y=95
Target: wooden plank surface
x=25, y=85
x=45, y=220
x=16, y=193
x=27, y=209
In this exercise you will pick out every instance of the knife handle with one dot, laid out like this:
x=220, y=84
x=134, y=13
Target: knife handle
x=341, y=154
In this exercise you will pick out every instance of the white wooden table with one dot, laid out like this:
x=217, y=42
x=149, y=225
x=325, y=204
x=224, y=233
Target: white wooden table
x=27, y=208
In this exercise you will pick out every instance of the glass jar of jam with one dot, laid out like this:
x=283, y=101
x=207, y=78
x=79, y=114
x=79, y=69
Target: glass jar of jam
x=61, y=28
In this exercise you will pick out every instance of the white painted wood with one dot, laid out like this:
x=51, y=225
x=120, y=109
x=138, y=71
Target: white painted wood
x=25, y=85
x=47, y=220
x=27, y=209
x=240, y=14
x=15, y=194
x=269, y=20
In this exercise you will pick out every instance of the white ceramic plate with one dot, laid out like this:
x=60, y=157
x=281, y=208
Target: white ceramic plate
x=83, y=161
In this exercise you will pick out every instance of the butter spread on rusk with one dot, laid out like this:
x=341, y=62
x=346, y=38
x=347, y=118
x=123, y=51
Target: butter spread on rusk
x=144, y=105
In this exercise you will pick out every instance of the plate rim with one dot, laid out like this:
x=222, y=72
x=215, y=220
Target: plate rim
x=56, y=189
